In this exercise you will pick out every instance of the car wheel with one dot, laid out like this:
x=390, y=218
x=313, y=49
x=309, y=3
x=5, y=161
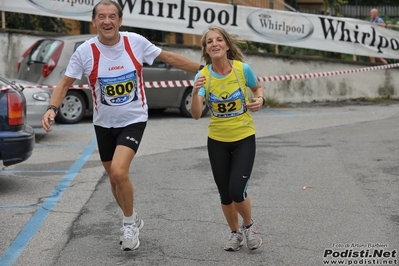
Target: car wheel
x=72, y=109
x=186, y=103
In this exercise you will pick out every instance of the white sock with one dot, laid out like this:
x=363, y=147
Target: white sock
x=128, y=220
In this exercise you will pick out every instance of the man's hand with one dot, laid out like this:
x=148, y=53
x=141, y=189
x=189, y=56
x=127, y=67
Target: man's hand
x=48, y=119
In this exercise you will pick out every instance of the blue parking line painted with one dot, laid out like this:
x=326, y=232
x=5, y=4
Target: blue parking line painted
x=22, y=240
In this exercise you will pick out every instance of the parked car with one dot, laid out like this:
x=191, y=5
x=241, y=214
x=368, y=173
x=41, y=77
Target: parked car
x=46, y=60
x=37, y=100
x=17, y=138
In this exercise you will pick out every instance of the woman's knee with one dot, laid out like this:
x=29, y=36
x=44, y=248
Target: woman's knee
x=238, y=196
x=225, y=199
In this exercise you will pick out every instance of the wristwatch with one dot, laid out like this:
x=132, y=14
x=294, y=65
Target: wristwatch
x=54, y=108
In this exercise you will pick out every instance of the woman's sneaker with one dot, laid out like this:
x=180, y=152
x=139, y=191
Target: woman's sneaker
x=252, y=236
x=235, y=241
x=130, y=237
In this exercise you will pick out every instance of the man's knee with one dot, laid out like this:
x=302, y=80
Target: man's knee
x=117, y=176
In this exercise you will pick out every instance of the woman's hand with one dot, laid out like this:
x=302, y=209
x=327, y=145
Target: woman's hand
x=255, y=104
x=197, y=100
x=198, y=84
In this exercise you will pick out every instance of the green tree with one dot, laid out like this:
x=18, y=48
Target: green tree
x=34, y=22
x=152, y=35
x=333, y=4
x=373, y=2
x=51, y=24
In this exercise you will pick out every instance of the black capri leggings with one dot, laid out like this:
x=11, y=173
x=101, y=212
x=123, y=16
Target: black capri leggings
x=231, y=164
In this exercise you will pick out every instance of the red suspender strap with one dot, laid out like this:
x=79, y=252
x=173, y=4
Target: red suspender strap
x=137, y=65
x=94, y=74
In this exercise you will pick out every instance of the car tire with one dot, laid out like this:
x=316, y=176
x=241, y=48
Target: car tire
x=72, y=109
x=186, y=103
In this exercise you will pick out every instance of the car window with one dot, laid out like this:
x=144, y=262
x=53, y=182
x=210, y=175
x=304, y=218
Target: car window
x=77, y=45
x=43, y=50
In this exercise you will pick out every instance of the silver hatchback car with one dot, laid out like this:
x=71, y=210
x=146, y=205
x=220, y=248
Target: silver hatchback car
x=45, y=63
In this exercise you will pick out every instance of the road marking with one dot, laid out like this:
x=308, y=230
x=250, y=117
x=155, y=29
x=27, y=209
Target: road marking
x=22, y=240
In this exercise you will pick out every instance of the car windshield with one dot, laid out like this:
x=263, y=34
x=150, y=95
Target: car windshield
x=43, y=50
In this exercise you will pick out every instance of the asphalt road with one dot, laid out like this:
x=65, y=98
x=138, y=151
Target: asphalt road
x=324, y=187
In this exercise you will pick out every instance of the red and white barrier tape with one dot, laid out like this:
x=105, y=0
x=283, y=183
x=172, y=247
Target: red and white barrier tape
x=168, y=84
x=325, y=74
x=186, y=83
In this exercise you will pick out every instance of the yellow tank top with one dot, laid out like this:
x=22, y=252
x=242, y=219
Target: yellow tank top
x=230, y=120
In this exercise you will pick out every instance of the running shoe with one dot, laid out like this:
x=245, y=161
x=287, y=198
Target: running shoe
x=235, y=241
x=130, y=237
x=252, y=237
x=139, y=224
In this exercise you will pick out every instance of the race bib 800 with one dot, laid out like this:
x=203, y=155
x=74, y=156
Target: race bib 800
x=118, y=90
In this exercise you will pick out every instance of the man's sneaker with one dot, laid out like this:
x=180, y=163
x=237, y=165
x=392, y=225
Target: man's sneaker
x=139, y=224
x=253, y=239
x=130, y=237
x=234, y=242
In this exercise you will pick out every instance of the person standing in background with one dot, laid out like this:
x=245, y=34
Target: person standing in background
x=374, y=18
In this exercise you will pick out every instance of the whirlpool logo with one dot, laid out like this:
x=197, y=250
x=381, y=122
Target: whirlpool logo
x=283, y=28
x=66, y=7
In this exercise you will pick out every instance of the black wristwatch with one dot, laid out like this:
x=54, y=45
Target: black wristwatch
x=201, y=67
x=54, y=108
x=264, y=101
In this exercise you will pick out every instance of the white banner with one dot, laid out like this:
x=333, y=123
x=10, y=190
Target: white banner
x=334, y=34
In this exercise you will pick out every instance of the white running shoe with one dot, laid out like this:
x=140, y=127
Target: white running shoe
x=252, y=236
x=234, y=242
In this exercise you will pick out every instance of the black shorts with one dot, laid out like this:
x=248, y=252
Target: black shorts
x=108, y=138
